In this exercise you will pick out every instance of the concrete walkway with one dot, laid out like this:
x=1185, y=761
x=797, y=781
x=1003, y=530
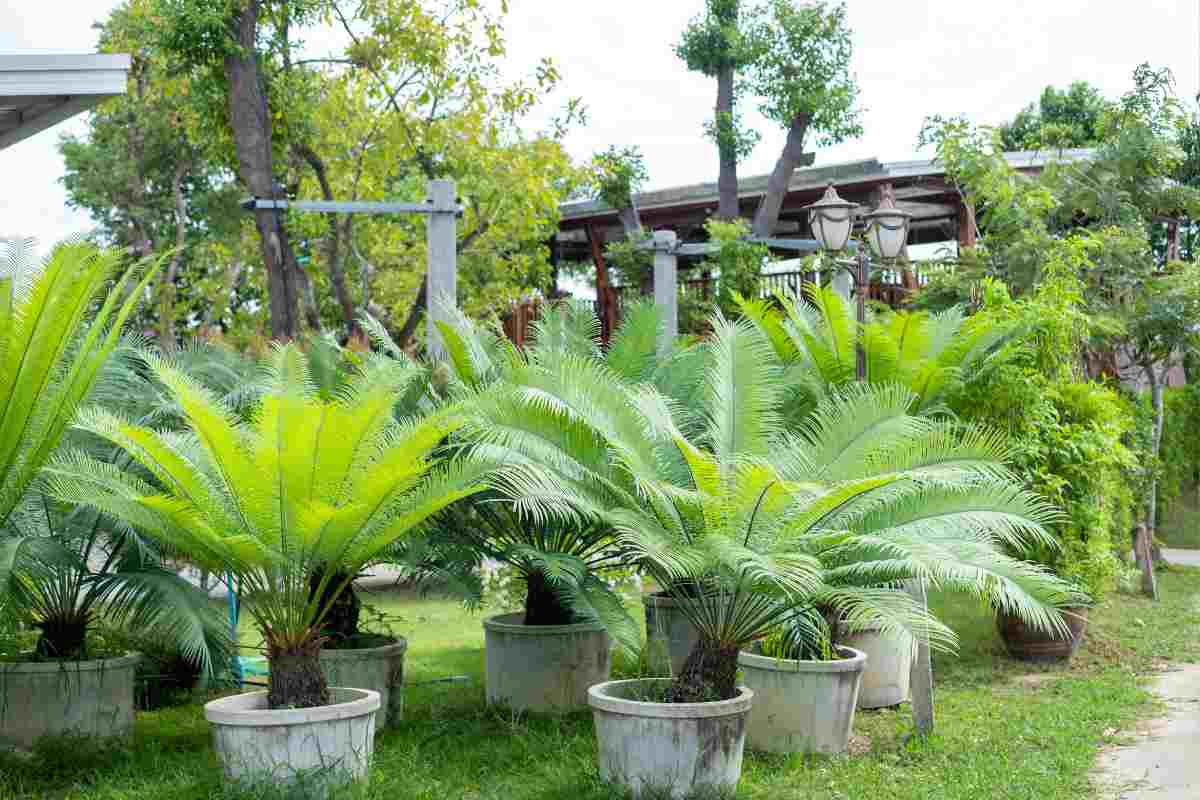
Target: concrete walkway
x=1187, y=558
x=1162, y=762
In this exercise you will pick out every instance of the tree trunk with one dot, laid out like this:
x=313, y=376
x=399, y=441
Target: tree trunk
x=709, y=674
x=543, y=606
x=1156, y=396
x=337, y=275
x=409, y=328
x=296, y=679
x=767, y=216
x=250, y=121
x=166, y=298
x=631, y=220
x=727, y=180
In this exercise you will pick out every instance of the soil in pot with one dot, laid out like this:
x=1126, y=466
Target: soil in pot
x=1026, y=643
x=675, y=750
x=802, y=706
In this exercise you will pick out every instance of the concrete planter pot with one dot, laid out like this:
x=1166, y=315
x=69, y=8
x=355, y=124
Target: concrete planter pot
x=380, y=669
x=887, y=677
x=668, y=749
x=544, y=668
x=1026, y=643
x=802, y=706
x=670, y=636
x=319, y=748
x=92, y=698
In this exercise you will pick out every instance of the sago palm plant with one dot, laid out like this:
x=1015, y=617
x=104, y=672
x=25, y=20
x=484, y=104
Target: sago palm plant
x=561, y=564
x=814, y=338
x=309, y=486
x=59, y=323
x=748, y=524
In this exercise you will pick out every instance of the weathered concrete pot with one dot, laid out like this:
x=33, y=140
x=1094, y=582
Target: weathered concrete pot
x=1026, y=643
x=670, y=636
x=544, y=668
x=802, y=706
x=380, y=669
x=320, y=748
x=93, y=698
x=887, y=677
x=668, y=749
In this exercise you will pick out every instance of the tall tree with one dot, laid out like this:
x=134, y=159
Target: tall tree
x=237, y=46
x=801, y=74
x=718, y=44
x=1061, y=118
x=141, y=172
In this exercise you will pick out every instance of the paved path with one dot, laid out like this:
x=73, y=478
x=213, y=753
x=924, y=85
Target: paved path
x=1162, y=762
x=1188, y=558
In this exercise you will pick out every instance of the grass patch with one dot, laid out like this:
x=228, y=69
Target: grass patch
x=1004, y=730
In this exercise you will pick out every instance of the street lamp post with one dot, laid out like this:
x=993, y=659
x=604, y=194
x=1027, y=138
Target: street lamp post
x=832, y=222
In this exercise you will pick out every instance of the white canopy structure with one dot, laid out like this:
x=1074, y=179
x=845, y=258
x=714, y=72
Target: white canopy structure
x=38, y=90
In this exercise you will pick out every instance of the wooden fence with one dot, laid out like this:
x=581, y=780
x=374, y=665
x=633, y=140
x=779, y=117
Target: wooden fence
x=889, y=289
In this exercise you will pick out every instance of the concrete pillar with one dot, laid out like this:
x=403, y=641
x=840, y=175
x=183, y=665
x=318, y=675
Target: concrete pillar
x=441, y=291
x=921, y=676
x=666, y=288
x=842, y=282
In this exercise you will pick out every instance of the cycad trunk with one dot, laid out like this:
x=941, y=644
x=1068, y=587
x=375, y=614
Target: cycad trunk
x=708, y=675
x=61, y=638
x=341, y=611
x=543, y=606
x=296, y=678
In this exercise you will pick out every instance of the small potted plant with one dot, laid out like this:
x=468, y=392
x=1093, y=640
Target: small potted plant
x=310, y=485
x=746, y=523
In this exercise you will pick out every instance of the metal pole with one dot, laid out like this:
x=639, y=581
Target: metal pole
x=862, y=278
x=441, y=291
x=666, y=288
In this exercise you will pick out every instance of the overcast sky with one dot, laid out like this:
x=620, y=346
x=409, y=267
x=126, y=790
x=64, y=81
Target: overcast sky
x=984, y=58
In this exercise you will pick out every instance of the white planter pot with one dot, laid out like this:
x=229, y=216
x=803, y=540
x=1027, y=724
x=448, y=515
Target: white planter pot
x=802, y=706
x=320, y=747
x=544, y=668
x=885, y=681
x=670, y=636
x=668, y=749
x=93, y=698
x=380, y=669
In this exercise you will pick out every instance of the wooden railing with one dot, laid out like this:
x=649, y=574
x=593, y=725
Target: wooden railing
x=888, y=288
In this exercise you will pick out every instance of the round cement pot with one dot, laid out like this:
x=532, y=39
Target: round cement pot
x=670, y=636
x=1026, y=643
x=93, y=698
x=802, y=706
x=668, y=749
x=316, y=748
x=380, y=669
x=886, y=678
x=543, y=668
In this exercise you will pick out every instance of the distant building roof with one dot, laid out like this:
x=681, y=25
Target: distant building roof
x=38, y=90
x=849, y=173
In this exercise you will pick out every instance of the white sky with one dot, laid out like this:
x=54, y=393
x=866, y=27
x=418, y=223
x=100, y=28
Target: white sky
x=984, y=58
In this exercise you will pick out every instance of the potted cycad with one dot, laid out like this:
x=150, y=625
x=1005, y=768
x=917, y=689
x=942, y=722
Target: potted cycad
x=308, y=484
x=57, y=329
x=545, y=656
x=813, y=340
x=765, y=522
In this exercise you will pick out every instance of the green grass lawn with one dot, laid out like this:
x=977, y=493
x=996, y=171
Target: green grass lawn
x=1004, y=730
